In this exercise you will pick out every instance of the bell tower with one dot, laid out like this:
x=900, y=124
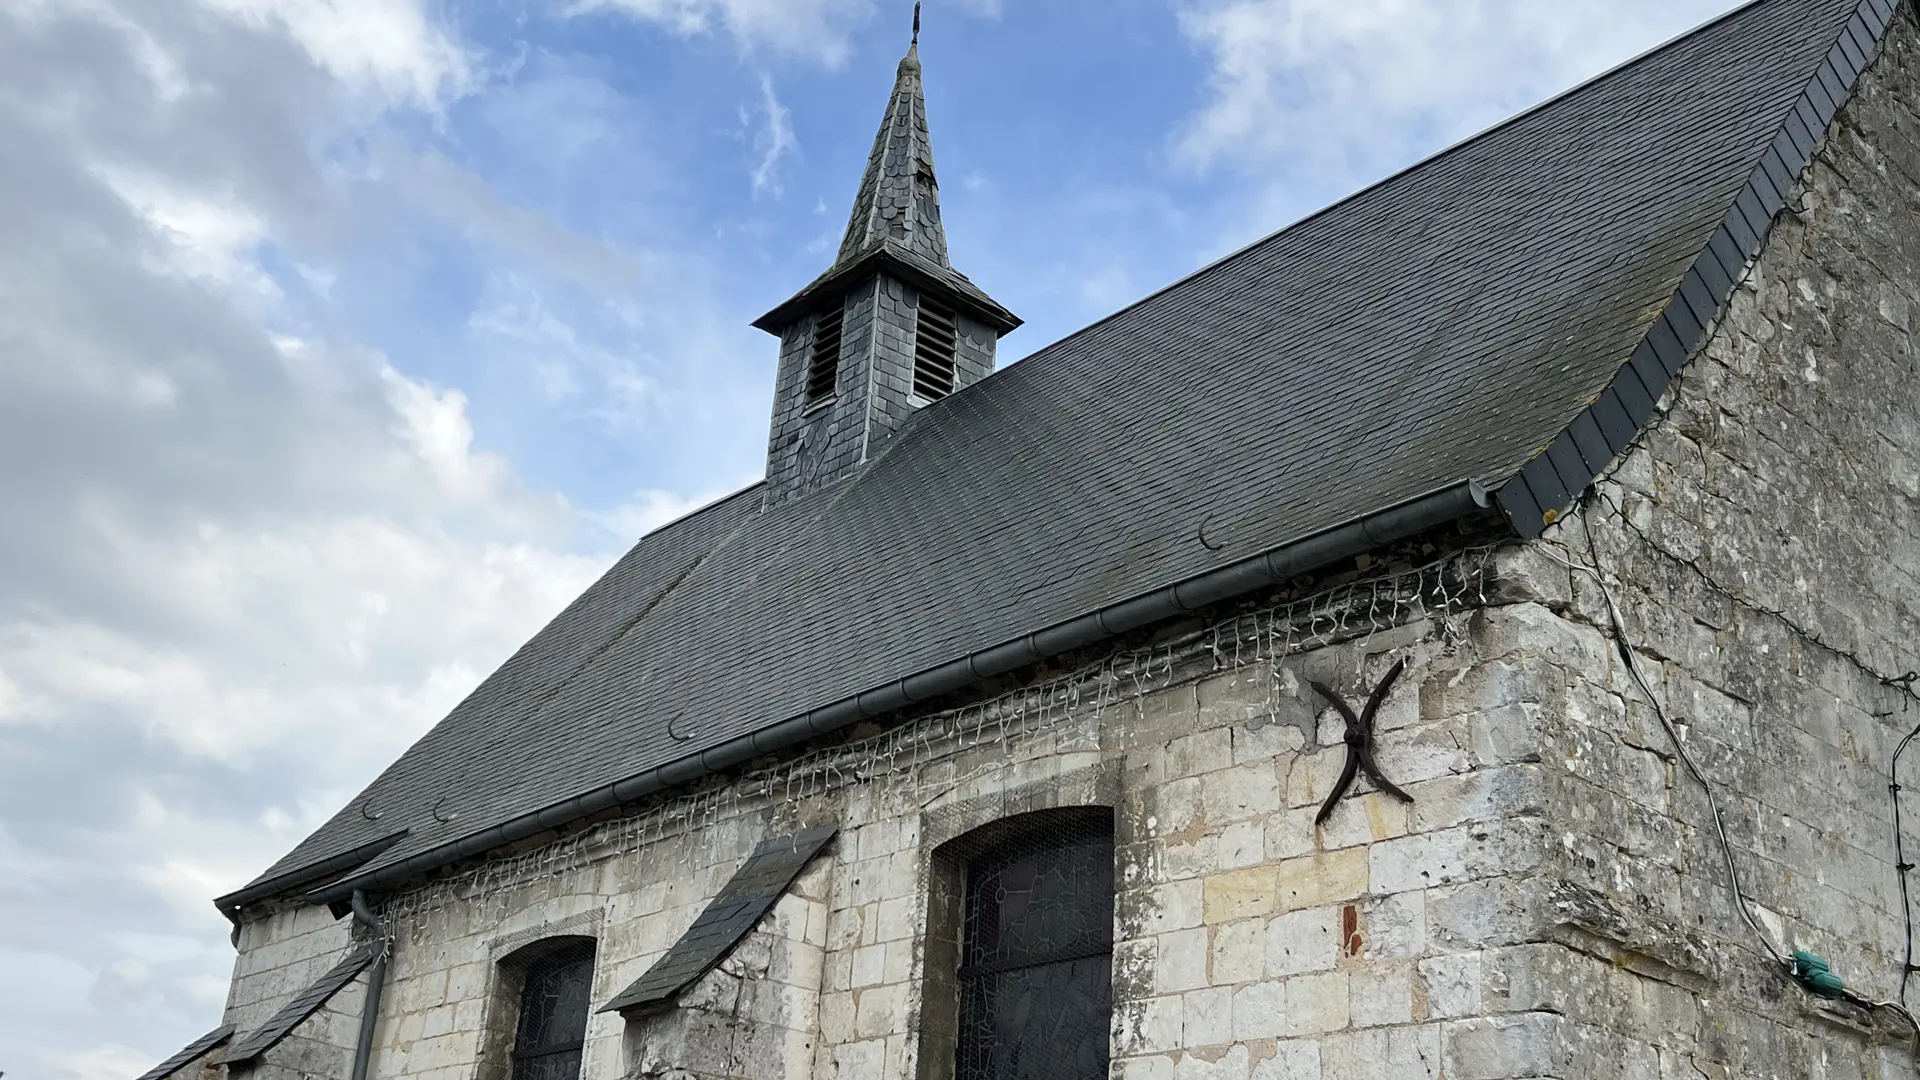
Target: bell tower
x=891, y=327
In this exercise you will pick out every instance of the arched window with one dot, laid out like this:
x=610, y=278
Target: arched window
x=1034, y=980
x=556, y=996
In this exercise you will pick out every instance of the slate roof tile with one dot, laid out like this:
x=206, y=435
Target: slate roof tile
x=190, y=1053
x=728, y=918
x=1446, y=324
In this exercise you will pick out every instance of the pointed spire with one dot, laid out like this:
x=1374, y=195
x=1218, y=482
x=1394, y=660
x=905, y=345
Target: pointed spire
x=899, y=198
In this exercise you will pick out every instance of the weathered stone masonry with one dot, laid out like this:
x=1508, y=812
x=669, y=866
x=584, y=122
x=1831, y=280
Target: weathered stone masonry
x=1552, y=905
x=1761, y=543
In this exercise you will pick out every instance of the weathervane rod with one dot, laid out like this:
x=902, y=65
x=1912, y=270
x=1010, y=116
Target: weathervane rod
x=916, y=22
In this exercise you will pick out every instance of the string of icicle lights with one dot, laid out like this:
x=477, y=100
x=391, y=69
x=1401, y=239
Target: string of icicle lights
x=926, y=757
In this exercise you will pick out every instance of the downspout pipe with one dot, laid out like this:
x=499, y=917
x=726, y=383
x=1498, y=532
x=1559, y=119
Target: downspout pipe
x=376, y=984
x=1454, y=502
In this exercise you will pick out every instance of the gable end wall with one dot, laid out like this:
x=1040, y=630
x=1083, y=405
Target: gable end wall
x=1761, y=542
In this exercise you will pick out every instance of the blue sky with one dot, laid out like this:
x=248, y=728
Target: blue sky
x=346, y=340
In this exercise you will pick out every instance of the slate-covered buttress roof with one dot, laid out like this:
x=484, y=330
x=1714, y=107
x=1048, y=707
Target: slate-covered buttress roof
x=1503, y=313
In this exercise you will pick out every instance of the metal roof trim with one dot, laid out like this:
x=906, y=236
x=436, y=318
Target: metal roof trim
x=1544, y=489
x=1453, y=502
x=231, y=903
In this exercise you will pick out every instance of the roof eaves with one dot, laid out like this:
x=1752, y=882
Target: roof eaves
x=903, y=263
x=1549, y=484
x=1453, y=502
x=306, y=876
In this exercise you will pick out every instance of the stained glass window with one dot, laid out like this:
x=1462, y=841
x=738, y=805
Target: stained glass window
x=554, y=1002
x=1036, y=954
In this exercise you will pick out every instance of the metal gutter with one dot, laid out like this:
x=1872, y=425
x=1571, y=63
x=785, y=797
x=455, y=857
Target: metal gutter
x=231, y=903
x=1453, y=502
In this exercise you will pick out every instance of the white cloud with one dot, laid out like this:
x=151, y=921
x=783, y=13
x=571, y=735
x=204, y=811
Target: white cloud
x=110, y=1061
x=209, y=237
x=385, y=46
x=438, y=186
x=569, y=366
x=774, y=141
x=389, y=627
x=434, y=423
x=649, y=510
x=1329, y=94
x=13, y=706
x=816, y=29
x=252, y=557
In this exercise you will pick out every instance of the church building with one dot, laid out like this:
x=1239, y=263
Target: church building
x=1470, y=633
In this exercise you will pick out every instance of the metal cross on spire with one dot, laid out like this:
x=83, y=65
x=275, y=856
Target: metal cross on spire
x=916, y=23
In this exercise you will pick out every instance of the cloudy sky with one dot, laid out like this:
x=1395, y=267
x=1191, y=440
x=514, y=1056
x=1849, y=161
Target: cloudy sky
x=343, y=341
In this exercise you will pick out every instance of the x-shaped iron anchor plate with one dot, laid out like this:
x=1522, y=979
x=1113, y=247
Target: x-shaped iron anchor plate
x=1359, y=740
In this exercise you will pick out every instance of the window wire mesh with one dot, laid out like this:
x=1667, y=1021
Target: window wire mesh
x=1037, y=954
x=555, y=998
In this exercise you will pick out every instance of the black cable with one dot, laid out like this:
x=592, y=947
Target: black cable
x=1741, y=901
x=1903, y=683
x=1900, y=863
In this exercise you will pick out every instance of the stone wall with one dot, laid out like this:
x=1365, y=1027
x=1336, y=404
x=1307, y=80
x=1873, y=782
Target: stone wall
x=281, y=955
x=1551, y=904
x=1760, y=546
x=1248, y=942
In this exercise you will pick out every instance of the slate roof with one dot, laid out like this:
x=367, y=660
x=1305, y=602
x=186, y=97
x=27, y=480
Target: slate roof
x=898, y=195
x=1446, y=324
x=895, y=223
x=190, y=1053
x=734, y=911
x=303, y=1005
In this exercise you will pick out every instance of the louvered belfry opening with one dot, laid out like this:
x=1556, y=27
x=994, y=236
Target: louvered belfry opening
x=823, y=362
x=934, y=341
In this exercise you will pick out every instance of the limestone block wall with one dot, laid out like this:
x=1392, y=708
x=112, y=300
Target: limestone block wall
x=1248, y=942
x=280, y=955
x=1553, y=902
x=1760, y=545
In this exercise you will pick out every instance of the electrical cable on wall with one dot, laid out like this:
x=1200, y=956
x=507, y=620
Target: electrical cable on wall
x=1903, y=684
x=1618, y=627
x=1902, y=868
x=1805, y=969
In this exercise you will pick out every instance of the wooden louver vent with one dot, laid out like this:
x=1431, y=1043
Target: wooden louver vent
x=823, y=363
x=933, y=352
